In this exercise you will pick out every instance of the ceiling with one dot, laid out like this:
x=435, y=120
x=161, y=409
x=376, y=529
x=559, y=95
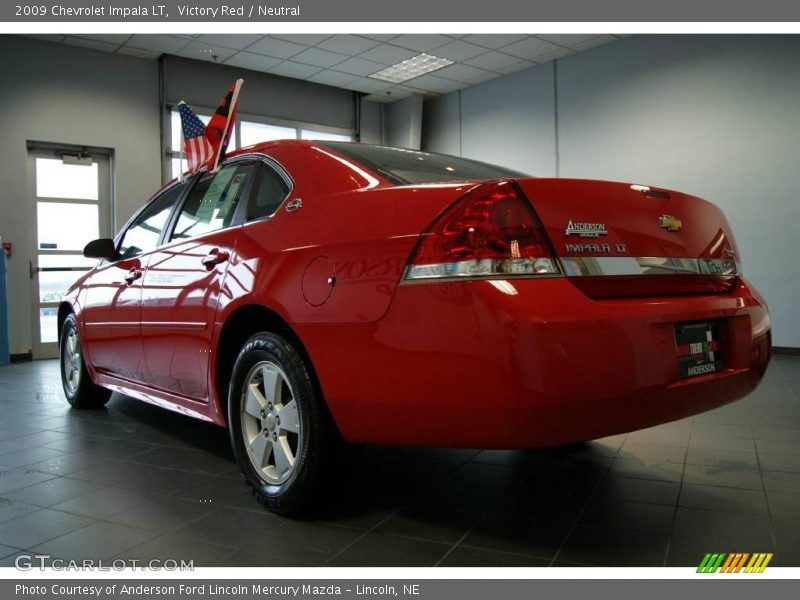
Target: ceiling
x=346, y=61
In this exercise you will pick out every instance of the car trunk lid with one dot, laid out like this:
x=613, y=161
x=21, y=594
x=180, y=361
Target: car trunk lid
x=621, y=239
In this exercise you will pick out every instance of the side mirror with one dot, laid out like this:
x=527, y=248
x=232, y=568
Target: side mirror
x=103, y=248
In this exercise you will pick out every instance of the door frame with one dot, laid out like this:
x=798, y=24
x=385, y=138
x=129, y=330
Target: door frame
x=106, y=203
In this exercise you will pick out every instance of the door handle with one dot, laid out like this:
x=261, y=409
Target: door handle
x=132, y=275
x=213, y=258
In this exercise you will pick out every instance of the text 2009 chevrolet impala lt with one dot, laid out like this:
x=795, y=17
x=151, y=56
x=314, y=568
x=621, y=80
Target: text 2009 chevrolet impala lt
x=314, y=295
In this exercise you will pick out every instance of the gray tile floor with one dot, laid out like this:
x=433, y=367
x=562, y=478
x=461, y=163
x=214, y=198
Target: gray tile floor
x=135, y=481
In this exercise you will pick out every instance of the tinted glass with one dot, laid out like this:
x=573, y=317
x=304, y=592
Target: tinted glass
x=212, y=202
x=411, y=166
x=269, y=192
x=143, y=234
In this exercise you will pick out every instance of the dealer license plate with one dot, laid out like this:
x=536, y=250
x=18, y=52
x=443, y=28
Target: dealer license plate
x=699, y=351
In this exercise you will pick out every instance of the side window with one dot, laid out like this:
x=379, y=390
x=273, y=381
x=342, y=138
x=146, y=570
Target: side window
x=142, y=235
x=212, y=202
x=270, y=190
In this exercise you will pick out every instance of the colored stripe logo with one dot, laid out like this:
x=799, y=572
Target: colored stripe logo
x=735, y=562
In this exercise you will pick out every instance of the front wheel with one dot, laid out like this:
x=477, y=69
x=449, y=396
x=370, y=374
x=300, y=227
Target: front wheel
x=80, y=390
x=284, y=440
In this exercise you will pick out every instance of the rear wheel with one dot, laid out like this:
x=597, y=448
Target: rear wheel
x=285, y=442
x=80, y=390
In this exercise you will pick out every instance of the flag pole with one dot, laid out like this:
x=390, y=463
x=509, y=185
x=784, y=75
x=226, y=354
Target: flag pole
x=231, y=112
x=180, y=149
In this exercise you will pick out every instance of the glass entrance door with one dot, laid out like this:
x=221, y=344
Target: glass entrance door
x=71, y=195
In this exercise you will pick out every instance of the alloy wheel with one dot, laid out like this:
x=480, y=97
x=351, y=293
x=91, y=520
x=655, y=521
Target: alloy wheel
x=270, y=423
x=71, y=361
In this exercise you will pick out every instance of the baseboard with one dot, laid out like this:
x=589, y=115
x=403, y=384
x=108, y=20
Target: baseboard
x=22, y=357
x=785, y=351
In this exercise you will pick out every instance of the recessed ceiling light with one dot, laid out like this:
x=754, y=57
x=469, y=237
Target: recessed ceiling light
x=411, y=68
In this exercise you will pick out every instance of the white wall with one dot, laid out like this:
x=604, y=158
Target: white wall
x=716, y=116
x=403, y=123
x=371, y=125
x=441, y=124
x=508, y=121
x=501, y=137
x=61, y=94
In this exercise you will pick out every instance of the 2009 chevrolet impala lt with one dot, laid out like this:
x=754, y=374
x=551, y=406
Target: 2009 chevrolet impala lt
x=314, y=295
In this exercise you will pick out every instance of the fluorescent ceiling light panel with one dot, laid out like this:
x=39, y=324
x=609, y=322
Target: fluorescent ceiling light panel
x=411, y=68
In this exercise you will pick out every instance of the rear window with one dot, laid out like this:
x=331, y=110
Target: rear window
x=403, y=167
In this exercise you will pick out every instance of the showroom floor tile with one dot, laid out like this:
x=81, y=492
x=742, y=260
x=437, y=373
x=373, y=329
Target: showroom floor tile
x=134, y=481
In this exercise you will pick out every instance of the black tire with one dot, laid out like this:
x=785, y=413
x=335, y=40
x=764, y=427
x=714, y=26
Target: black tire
x=317, y=446
x=81, y=392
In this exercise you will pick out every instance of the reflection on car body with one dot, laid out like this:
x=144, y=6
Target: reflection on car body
x=416, y=299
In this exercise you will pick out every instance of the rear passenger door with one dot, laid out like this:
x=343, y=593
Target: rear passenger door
x=185, y=277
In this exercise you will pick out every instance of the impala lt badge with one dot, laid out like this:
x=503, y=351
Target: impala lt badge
x=670, y=223
x=294, y=205
x=585, y=230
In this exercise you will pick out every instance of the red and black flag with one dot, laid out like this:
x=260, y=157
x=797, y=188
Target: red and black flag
x=205, y=146
x=218, y=130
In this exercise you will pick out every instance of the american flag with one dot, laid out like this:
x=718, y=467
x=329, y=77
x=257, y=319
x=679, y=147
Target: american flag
x=196, y=144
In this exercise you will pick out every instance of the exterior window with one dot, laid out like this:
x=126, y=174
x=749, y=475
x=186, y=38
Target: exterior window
x=212, y=202
x=310, y=134
x=143, y=233
x=244, y=133
x=269, y=192
x=255, y=133
x=175, y=165
x=55, y=179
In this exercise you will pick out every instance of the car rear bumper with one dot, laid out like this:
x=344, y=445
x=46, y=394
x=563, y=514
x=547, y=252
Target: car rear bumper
x=528, y=363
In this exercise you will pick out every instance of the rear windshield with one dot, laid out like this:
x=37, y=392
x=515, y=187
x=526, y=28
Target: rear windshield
x=411, y=166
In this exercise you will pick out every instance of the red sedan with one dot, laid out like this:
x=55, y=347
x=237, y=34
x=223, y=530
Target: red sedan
x=314, y=295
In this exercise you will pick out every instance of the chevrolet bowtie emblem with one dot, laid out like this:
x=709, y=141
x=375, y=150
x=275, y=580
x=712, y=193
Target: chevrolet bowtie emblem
x=670, y=223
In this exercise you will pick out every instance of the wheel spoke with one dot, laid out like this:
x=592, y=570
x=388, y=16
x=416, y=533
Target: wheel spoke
x=284, y=459
x=71, y=343
x=261, y=448
x=290, y=420
x=273, y=384
x=254, y=403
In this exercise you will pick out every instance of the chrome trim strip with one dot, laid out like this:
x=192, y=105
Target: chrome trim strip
x=579, y=266
x=174, y=324
x=269, y=161
x=494, y=277
x=482, y=268
x=149, y=324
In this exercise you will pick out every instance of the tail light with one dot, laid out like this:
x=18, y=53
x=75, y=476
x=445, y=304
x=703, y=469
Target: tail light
x=490, y=231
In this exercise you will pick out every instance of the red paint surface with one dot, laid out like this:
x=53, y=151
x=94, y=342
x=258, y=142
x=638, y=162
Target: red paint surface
x=514, y=363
